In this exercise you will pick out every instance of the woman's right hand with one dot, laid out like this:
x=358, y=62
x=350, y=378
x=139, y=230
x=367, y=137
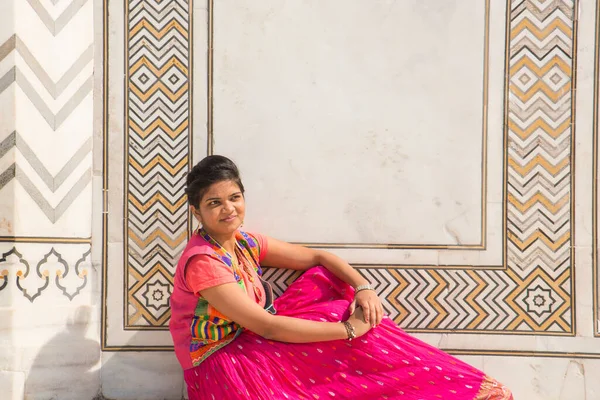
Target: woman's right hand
x=357, y=319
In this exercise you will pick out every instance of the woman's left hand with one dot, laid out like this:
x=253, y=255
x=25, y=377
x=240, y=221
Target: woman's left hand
x=371, y=305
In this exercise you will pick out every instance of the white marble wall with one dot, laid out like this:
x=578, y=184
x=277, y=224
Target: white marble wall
x=49, y=289
x=536, y=378
x=10, y=378
x=351, y=157
x=307, y=115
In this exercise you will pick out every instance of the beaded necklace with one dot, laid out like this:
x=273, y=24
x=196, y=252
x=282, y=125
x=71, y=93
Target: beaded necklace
x=234, y=262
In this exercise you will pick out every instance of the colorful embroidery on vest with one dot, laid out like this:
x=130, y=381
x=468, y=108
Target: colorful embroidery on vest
x=249, y=247
x=210, y=329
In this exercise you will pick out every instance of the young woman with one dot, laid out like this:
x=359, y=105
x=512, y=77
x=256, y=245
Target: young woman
x=325, y=337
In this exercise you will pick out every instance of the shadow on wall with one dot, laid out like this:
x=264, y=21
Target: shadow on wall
x=68, y=368
x=67, y=365
x=11, y=380
x=141, y=375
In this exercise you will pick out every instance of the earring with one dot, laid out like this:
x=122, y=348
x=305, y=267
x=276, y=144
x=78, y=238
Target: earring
x=197, y=215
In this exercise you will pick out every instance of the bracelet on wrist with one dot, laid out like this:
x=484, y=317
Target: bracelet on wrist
x=360, y=288
x=349, y=330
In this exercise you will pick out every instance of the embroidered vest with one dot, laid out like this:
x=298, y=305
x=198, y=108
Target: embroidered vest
x=197, y=328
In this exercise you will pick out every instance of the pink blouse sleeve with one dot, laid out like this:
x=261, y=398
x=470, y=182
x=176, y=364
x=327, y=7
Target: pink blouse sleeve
x=263, y=245
x=203, y=272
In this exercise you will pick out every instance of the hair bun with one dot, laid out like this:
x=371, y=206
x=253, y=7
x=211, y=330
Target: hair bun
x=208, y=171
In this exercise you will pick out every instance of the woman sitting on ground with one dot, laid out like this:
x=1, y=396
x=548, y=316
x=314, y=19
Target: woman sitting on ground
x=326, y=336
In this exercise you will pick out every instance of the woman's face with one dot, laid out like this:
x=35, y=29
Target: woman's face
x=222, y=209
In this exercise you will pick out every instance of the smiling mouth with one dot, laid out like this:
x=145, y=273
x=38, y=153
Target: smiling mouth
x=229, y=219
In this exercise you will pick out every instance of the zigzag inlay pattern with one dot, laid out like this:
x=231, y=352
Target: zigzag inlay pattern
x=531, y=294
x=51, y=91
x=534, y=293
x=540, y=138
x=157, y=153
x=55, y=26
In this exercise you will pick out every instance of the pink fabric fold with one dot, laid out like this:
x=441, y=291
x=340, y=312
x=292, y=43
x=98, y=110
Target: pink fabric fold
x=386, y=363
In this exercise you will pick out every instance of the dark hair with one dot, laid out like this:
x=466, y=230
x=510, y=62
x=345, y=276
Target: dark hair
x=211, y=169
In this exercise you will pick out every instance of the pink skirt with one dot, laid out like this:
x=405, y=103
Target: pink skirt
x=386, y=363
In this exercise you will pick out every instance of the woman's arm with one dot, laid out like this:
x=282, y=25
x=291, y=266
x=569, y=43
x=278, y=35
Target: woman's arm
x=229, y=300
x=286, y=255
x=291, y=256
